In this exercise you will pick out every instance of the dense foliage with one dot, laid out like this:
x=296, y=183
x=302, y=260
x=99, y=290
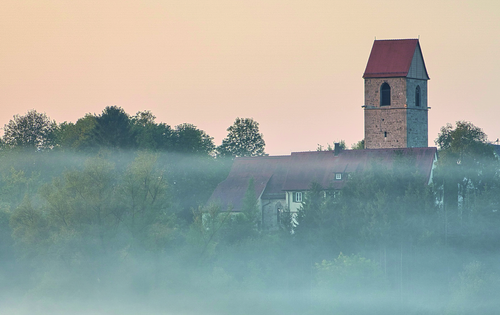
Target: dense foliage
x=243, y=139
x=33, y=130
x=113, y=219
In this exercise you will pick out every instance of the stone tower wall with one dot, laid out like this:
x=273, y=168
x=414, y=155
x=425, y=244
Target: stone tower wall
x=401, y=124
x=385, y=126
x=411, y=85
x=398, y=91
x=416, y=124
x=417, y=121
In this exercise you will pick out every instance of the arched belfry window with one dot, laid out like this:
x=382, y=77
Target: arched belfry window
x=417, y=96
x=385, y=94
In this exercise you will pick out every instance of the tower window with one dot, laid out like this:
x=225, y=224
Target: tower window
x=385, y=94
x=417, y=96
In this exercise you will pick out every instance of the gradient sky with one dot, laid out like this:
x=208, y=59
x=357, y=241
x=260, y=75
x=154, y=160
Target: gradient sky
x=294, y=66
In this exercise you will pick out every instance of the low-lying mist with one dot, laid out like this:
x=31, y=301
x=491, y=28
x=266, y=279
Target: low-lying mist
x=129, y=232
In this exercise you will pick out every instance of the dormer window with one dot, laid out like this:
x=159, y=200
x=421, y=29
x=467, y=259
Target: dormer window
x=338, y=176
x=297, y=196
x=417, y=96
x=385, y=94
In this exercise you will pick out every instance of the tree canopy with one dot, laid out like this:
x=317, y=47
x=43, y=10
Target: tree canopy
x=113, y=128
x=33, y=130
x=464, y=142
x=243, y=139
x=189, y=139
x=77, y=136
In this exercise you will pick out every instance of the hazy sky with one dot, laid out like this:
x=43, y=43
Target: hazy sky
x=294, y=66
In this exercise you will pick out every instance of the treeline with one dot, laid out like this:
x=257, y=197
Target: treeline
x=114, y=129
x=120, y=226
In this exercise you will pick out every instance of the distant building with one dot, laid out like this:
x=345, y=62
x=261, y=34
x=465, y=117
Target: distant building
x=395, y=126
x=396, y=95
x=280, y=182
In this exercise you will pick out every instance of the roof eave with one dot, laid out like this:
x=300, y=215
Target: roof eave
x=386, y=75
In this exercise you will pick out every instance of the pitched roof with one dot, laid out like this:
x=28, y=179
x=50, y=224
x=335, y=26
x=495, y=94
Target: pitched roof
x=273, y=175
x=321, y=167
x=392, y=58
x=230, y=193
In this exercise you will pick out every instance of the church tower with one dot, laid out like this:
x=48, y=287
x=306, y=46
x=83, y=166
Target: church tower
x=396, y=95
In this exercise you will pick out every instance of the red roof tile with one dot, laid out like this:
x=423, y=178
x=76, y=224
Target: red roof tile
x=390, y=58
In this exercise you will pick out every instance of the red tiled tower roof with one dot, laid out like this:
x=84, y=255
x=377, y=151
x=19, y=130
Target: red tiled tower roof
x=391, y=58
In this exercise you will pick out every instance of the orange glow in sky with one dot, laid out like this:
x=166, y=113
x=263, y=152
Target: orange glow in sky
x=294, y=66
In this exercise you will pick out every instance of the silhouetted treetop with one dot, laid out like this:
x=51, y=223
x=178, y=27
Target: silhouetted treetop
x=243, y=139
x=33, y=130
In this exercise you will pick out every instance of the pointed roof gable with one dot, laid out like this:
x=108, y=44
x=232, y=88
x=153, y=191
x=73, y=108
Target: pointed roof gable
x=394, y=58
x=230, y=193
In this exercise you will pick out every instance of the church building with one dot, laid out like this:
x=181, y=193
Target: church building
x=395, y=112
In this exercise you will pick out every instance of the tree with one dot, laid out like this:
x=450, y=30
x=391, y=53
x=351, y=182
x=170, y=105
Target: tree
x=30, y=228
x=189, y=139
x=18, y=183
x=464, y=138
x=149, y=134
x=360, y=145
x=465, y=149
x=113, y=129
x=145, y=199
x=467, y=167
x=78, y=136
x=33, y=130
x=86, y=202
x=329, y=147
x=387, y=211
x=243, y=139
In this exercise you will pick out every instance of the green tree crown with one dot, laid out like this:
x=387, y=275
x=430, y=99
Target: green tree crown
x=243, y=139
x=33, y=130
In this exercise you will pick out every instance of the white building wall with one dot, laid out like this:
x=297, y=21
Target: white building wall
x=293, y=206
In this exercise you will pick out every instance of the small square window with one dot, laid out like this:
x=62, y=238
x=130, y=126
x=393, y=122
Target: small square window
x=338, y=176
